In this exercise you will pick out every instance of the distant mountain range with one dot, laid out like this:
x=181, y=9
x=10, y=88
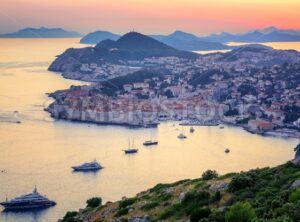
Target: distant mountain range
x=187, y=41
x=270, y=34
x=42, y=33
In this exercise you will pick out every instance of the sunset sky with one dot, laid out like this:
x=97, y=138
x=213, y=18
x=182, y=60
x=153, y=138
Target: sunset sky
x=150, y=16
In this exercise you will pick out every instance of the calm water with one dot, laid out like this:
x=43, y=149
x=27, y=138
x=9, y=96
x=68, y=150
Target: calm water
x=40, y=151
x=275, y=45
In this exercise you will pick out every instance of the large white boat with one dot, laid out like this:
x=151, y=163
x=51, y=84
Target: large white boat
x=30, y=201
x=92, y=166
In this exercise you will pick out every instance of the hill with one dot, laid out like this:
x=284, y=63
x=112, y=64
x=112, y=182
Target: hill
x=186, y=41
x=42, y=33
x=98, y=36
x=178, y=39
x=143, y=45
x=131, y=46
x=258, y=195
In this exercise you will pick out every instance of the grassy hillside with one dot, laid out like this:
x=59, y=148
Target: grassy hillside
x=259, y=195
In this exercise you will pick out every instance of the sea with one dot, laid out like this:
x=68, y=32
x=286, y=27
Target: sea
x=38, y=151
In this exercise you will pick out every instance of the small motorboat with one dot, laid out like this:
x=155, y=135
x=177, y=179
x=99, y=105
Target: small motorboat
x=181, y=136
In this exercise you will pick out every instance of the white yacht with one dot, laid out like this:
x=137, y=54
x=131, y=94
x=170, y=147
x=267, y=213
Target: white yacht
x=30, y=201
x=92, y=166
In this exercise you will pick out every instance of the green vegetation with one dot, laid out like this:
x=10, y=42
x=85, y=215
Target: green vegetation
x=70, y=217
x=127, y=202
x=94, y=202
x=209, y=175
x=113, y=85
x=295, y=196
x=121, y=212
x=199, y=213
x=240, y=212
x=258, y=195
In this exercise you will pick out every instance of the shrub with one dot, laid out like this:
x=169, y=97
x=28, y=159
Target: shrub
x=209, y=174
x=295, y=196
x=217, y=216
x=69, y=217
x=150, y=205
x=169, y=212
x=201, y=198
x=279, y=219
x=217, y=196
x=199, y=214
x=127, y=202
x=122, y=212
x=239, y=182
x=94, y=202
x=240, y=212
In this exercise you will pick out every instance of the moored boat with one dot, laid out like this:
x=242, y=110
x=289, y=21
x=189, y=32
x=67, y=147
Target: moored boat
x=181, y=136
x=30, y=201
x=92, y=166
x=150, y=143
x=131, y=151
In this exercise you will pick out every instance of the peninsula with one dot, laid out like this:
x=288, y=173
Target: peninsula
x=139, y=81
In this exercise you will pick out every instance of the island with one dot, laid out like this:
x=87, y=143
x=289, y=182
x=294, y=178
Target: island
x=269, y=34
x=42, y=32
x=178, y=39
x=258, y=195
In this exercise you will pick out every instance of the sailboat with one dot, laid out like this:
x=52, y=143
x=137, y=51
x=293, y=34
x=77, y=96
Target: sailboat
x=150, y=142
x=130, y=150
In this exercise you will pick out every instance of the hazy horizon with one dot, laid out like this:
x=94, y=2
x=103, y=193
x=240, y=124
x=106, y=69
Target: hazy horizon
x=200, y=17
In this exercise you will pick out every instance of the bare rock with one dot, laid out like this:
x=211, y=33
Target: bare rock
x=218, y=186
x=296, y=184
x=181, y=196
x=144, y=218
